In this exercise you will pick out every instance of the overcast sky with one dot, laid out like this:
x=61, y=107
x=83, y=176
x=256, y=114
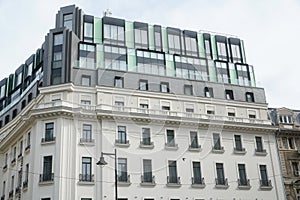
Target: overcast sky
x=269, y=28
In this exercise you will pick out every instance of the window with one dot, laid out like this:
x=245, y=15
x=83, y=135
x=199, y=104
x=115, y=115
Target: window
x=144, y=106
x=2, y=91
x=86, y=169
x=45, y=198
x=146, y=139
x=88, y=31
x=285, y=119
x=141, y=35
x=58, y=39
x=259, y=144
x=208, y=92
x=87, y=56
x=264, y=176
x=207, y=45
x=15, y=112
x=222, y=72
x=188, y=89
x=56, y=70
x=49, y=130
x=119, y=104
x=122, y=170
x=249, y=97
x=122, y=137
x=295, y=168
x=164, y=87
x=147, y=173
x=238, y=143
x=174, y=41
x=26, y=173
x=86, y=198
x=166, y=108
x=172, y=172
x=115, y=58
x=157, y=38
x=231, y=112
x=229, y=95
x=85, y=102
x=217, y=141
x=170, y=138
x=143, y=85
x=243, y=74
x=252, y=114
x=190, y=41
x=220, y=180
x=210, y=110
x=194, y=139
x=284, y=143
x=189, y=110
x=291, y=143
x=21, y=148
x=222, y=51
x=236, y=53
x=6, y=159
x=28, y=139
x=23, y=104
x=6, y=119
x=14, y=154
x=86, y=80
x=68, y=21
x=191, y=68
x=113, y=34
x=3, y=188
x=87, y=133
x=151, y=62
x=243, y=181
x=12, y=183
x=47, y=169
x=197, y=179
x=119, y=82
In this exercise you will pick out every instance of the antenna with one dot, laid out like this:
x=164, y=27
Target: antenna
x=107, y=13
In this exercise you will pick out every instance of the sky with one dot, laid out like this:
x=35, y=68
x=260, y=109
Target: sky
x=269, y=28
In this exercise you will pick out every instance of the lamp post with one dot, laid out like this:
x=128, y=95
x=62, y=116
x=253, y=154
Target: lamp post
x=103, y=162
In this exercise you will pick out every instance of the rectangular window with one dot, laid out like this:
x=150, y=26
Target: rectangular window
x=164, y=87
x=222, y=51
x=172, y=172
x=231, y=112
x=2, y=92
x=144, y=106
x=49, y=130
x=143, y=85
x=21, y=148
x=295, y=168
x=151, y=62
x=26, y=173
x=170, y=138
x=220, y=174
x=157, y=38
x=87, y=56
x=174, y=42
x=119, y=82
x=141, y=35
x=197, y=179
x=208, y=92
x=12, y=183
x=115, y=58
x=58, y=39
x=259, y=144
x=264, y=175
x=86, y=80
x=249, y=97
x=190, y=41
x=86, y=169
x=166, y=108
x=28, y=139
x=122, y=170
x=194, y=139
x=229, y=95
x=146, y=139
x=242, y=175
x=291, y=143
x=217, y=141
x=243, y=74
x=122, y=137
x=207, y=46
x=188, y=89
x=3, y=188
x=88, y=31
x=236, y=53
x=222, y=72
x=47, y=169
x=238, y=143
x=15, y=153
x=147, y=173
x=68, y=21
x=87, y=132
x=114, y=34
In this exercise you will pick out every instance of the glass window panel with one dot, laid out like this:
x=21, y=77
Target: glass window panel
x=58, y=39
x=88, y=29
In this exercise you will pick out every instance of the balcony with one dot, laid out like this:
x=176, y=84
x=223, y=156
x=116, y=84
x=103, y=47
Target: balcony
x=124, y=179
x=218, y=149
x=239, y=150
x=173, y=181
x=27, y=149
x=244, y=184
x=261, y=152
x=265, y=184
x=195, y=147
x=148, y=180
x=25, y=184
x=46, y=178
x=198, y=182
x=87, y=141
x=171, y=146
x=146, y=144
x=49, y=140
x=222, y=183
x=122, y=143
x=86, y=179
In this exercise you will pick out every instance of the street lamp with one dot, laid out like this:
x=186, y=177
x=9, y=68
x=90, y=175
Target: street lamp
x=103, y=162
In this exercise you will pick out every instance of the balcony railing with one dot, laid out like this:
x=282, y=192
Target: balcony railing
x=110, y=108
x=124, y=179
x=194, y=147
x=25, y=184
x=244, y=183
x=173, y=180
x=87, y=140
x=171, y=145
x=147, y=180
x=239, y=150
x=218, y=149
x=146, y=144
x=86, y=177
x=222, y=183
x=265, y=184
x=198, y=181
x=260, y=152
x=120, y=142
x=49, y=139
x=46, y=177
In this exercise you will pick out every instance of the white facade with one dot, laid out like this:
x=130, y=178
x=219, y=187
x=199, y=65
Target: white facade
x=63, y=106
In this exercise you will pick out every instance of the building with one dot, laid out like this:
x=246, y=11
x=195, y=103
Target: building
x=180, y=107
x=288, y=139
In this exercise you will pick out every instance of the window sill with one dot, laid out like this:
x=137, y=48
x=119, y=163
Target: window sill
x=148, y=184
x=222, y=186
x=174, y=147
x=198, y=185
x=46, y=183
x=218, y=150
x=48, y=143
x=173, y=185
x=244, y=187
x=146, y=146
x=86, y=183
x=27, y=149
x=240, y=152
x=87, y=143
x=195, y=149
x=122, y=145
x=261, y=153
x=266, y=187
x=124, y=183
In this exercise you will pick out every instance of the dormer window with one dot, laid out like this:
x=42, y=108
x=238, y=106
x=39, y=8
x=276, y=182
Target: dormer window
x=285, y=119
